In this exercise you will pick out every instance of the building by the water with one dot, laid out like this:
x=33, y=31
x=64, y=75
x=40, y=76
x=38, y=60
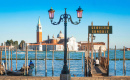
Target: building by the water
x=83, y=45
x=57, y=42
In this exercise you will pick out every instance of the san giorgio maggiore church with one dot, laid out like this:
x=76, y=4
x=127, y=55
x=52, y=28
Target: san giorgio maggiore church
x=58, y=42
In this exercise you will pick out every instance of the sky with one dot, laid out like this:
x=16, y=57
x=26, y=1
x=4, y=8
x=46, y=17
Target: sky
x=19, y=18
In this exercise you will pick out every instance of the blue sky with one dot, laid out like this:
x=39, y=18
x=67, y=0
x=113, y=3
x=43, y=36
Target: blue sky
x=19, y=18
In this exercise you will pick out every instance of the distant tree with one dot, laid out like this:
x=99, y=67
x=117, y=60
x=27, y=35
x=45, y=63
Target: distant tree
x=1, y=44
x=15, y=43
x=11, y=41
x=8, y=43
x=21, y=44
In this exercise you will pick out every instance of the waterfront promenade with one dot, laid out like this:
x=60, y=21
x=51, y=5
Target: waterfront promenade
x=58, y=78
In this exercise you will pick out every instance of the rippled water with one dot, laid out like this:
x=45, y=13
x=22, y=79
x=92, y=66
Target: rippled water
x=75, y=65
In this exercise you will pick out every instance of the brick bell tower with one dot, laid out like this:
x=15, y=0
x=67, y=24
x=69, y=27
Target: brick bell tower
x=39, y=32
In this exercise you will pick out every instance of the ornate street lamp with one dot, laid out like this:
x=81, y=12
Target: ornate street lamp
x=79, y=12
x=51, y=13
x=64, y=17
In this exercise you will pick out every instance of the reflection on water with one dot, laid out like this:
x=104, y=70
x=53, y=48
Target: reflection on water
x=75, y=65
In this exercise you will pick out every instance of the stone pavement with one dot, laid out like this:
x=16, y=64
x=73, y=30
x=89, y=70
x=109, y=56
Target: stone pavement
x=58, y=78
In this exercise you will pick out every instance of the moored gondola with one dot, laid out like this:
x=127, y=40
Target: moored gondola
x=21, y=71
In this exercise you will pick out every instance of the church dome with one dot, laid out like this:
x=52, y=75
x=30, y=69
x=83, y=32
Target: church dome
x=60, y=35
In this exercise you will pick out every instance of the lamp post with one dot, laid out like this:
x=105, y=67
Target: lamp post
x=65, y=17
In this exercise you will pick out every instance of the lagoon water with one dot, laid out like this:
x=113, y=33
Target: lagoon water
x=75, y=65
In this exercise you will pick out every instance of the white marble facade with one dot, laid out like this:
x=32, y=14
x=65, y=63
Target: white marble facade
x=72, y=44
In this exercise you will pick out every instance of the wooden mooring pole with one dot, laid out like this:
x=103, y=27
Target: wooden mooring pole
x=115, y=60
x=108, y=53
x=25, y=62
x=82, y=61
x=36, y=61
x=86, y=70
x=124, y=72
x=27, y=58
x=91, y=53
x=5, y=58
x=86, y=64
x=53, y=62
x=16, y=58
x=45, y=62
x=1, y=61
x=9, y=57
x=100, y=54
x=68, y=56
x=11, y=60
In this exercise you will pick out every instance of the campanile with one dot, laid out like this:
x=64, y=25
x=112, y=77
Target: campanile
x=39, y=32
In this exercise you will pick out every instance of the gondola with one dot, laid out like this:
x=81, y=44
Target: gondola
x=20, y=72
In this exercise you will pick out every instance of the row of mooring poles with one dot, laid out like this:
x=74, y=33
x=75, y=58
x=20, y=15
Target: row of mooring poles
x=9, y=49
x=45, y=61
x=124, y=64
x=26, y=61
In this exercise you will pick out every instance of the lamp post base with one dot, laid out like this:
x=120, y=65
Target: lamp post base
x=65, y=76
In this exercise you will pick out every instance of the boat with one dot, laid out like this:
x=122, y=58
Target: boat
x=14, y=73
x=20, y=72
x=126, y=49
